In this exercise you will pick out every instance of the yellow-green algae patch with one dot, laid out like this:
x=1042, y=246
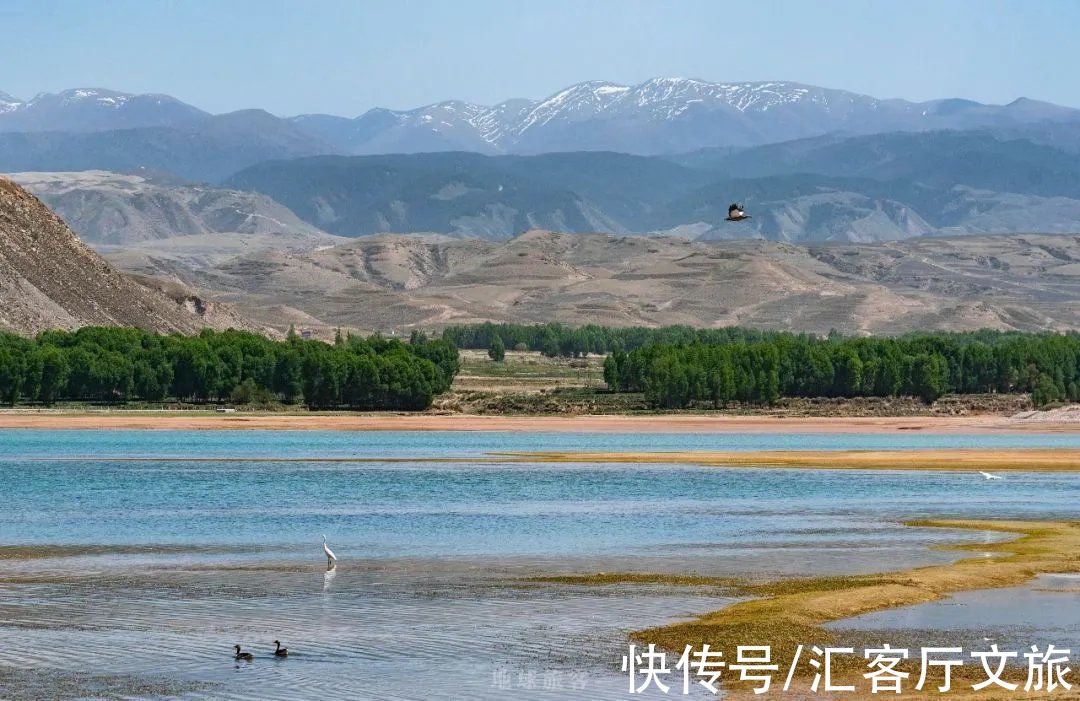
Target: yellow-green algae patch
x=959, y=459
x=790, y=613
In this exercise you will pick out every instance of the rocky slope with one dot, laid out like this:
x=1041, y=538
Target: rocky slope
x=49, y=279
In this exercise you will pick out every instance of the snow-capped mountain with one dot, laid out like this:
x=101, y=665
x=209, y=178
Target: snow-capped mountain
x=453, y=125
x=93, y=109
x=658, y=116
x=661, y=115
x=8, y=103
x=666, y=99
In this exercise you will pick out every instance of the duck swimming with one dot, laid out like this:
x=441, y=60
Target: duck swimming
x=246, y=656
x=280, y=651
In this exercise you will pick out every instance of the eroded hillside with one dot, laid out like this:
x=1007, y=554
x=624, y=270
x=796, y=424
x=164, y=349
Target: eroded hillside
x=50, y=279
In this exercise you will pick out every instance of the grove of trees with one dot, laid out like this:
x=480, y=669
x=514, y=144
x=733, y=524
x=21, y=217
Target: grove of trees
x=121, y=364
x=674, y=366
x=925, y=365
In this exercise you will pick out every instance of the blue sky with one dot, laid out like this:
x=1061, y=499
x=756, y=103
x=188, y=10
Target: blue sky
x=344, y=57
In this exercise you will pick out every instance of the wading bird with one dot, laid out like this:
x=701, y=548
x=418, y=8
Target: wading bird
x=735, y=213
x=331, y=558
x=989, y=476
x=246, y=656
x=280, y=651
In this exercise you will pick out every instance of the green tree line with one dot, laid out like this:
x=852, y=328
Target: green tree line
x=925, y=365
x=121, y=364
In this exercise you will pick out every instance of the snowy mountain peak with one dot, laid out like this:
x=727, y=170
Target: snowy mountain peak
x=575, y=102
x=94, y=109
x=664, y=99
x=8, y=103
x=97, y=96
x=660, y=115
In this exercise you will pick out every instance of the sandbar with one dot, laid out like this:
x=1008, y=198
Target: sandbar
x=953, y=459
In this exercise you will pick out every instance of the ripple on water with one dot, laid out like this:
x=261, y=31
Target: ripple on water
x=368, y=637
x=167, y=564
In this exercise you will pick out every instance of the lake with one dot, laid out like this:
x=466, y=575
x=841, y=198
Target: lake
x=162, y=549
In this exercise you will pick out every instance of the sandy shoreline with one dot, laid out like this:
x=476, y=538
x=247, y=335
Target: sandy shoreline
x=669, y=423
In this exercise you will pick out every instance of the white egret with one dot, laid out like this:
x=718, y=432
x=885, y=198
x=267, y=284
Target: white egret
x=989, y=476
x=331, y=558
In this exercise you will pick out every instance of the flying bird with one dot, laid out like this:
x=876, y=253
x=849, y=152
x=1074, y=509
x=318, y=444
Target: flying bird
x=989, y=476
x=331, y=558
x=735, y=213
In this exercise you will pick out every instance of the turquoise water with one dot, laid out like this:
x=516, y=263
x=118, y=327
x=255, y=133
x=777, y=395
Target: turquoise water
x=19, y=444
x=430, y=508
x=432, y=552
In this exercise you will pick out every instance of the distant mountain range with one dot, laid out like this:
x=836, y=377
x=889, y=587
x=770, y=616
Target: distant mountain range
x=663, y=115
x=860, y=189
x=667, y=155
x=250, y=208
x=208, y=148
x=659, y=116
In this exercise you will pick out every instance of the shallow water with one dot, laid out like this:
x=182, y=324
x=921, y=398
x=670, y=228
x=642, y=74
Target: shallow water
x=413, y=632
x=1046, y=610
x=174, y=560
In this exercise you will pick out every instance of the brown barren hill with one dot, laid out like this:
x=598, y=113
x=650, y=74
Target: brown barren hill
x=49, y=279
x=391, y=282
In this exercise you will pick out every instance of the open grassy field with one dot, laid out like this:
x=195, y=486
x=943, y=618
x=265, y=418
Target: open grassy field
x=526, y=371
